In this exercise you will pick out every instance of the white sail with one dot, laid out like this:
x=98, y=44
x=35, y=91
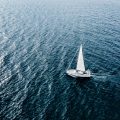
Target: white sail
x=80, y=62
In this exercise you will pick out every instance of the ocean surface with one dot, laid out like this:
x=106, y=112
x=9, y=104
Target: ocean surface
x=39, y=40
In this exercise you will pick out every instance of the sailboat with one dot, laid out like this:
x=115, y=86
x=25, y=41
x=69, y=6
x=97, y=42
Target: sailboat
x=80, y=71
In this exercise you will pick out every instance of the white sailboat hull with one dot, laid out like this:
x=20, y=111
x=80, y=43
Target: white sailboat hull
x=78, y=74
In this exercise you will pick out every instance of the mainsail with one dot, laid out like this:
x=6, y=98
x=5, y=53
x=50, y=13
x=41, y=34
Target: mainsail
x=80, y=62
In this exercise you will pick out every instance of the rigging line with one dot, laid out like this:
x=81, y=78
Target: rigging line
x=72, y=59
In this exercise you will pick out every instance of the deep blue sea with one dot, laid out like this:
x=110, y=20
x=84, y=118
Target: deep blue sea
x=39, y=39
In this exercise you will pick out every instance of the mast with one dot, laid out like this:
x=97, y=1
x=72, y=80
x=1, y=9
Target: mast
x=80, y=61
